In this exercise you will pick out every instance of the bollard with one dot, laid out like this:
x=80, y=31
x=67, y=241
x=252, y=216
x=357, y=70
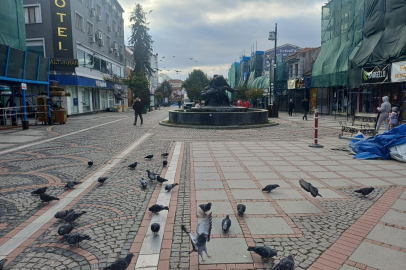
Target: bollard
x=316, y=131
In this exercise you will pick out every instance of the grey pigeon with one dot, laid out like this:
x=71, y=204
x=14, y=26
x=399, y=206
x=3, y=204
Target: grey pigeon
x=76, y=238
x=205, y=207
x=39, y=191
x=226, y=223
x=203, y=235
x=71, y=184
x=155, y=228
x=71, y=217
x=65, y=229
x=286, y=263
x=365, y=191
x=90, y=163
x=264, y=252
x=241, y=209
x=47, y=198
x=314, y=191
x=164, y=163
x=149, y=157
x=161, y=179
x=2, y=262
x=269, y=188
x=101, y=180
x=62, y=214
x=170, y=187
x=132, y=166
x=120, y=264
x=156, y=208
x=309, y=188
x=151, y=175
x=165, y=154
x=143, y=183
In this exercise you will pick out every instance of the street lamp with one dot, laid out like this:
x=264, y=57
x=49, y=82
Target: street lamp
x=273, y=35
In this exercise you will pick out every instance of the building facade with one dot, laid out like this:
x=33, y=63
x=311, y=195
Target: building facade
x=85, y=41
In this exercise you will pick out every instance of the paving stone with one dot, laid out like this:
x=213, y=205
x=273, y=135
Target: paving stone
x=265, y=175
x=236, y=176
x=218, y=208
x=236, y=251
x=285, y=194
x=339, y=182
x=327, y=175
x=207, y=176
x=388, y=235
x=326, y=193
x=205, y=169
x=208, y=184
x=274, y=225
x=403, y=196
x=232, y=169
x=281, y=183
x=315, y=183
x=259, y=169
x=202, y=195
x=241, y=184
x=217, y=228
x=371, y=182
x=397, y=181
x=203, y=164
x=248, y=195
x=395, y=218
x=298, y=207
x=260, y=208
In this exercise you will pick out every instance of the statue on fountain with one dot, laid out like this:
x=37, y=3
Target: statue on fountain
x=215, y=94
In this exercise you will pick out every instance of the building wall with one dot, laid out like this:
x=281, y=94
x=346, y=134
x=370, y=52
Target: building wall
x=12, y=31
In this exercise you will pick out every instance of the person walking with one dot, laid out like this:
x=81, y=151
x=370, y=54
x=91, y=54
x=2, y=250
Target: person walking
x=138, y=106
x=385, y=109
x=291, y=107
x=305, y=107
x=179, y=103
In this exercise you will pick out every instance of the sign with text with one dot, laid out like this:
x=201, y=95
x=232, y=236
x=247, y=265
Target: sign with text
x=64, y=62
x=61, y=29
x=398, y=72
x=378, y=74
x=24, y=86
x=101, y=84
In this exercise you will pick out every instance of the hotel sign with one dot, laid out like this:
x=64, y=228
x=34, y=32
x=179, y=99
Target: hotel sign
x=64, y=62
x=61, y=28
x=398, y=73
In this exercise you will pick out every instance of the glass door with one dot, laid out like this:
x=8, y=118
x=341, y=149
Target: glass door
x=95, y=99
x=74, y=108
x=86, y=100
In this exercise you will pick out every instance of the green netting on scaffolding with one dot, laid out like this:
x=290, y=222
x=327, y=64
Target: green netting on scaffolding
x=384, y=33
x=12, y=21
x=282, y=69
x=257, y=63
x=341, y=36
x=244, y=68
x=233, y=75
x=260, y=82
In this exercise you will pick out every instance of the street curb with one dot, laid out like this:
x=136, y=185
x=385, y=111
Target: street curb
x=167, y=124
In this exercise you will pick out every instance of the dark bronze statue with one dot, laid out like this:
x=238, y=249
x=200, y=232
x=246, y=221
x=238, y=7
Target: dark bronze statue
x=215, y=94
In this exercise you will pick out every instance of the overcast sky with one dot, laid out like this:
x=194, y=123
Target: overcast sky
x=216, y=33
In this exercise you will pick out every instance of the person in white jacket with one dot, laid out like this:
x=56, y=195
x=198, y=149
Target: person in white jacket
x=385, y=109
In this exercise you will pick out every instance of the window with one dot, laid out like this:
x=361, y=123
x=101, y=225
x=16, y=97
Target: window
x=79, y=21
x=32, y=14
x=107, y=19
x=90, y=30
x=108, y=42
x=89, y=60
x=89, y=3
x=114, y=25
x=119, y=31
x=81, y=57
x=291, y=70
x=36, y=47
x=115, y=47
x=121, y=50
x=97, y=62
x=98, y=10
x=297, y=69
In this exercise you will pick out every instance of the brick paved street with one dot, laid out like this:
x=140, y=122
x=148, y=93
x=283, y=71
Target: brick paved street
x=340, y=230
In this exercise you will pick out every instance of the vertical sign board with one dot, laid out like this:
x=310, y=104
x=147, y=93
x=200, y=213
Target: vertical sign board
x=61, y=31
x=398, y=73
x=313, y=99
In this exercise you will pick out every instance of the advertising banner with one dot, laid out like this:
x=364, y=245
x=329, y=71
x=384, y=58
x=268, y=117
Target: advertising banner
x=378, y=74
x=313, y=99
x=398, y=72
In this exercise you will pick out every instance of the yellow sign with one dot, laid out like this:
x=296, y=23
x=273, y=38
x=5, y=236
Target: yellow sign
x=398, y=72
x=313, y=99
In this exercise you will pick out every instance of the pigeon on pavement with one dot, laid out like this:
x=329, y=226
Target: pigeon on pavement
x=156, y=208
x=120, y=264
x=365, y=191
x=2, y=262
x=314, y=191
x=241, y=209
x=62, y=214
x=170, y=187
x=71, y=184
x=203, y=235
x=205, y=207
x=47, y=198
x=132, y=166
x=155, y=228
x=309, y=188
x=101, y=180
x=143, y=183
x=65, y=229
x=161, y=179
x=149, y=157
x=39, y=191
x=165, y=154
x=226, y=223
x=76, y=238
x=286, y=263
x=90, y=163
x=151, y=175
x=164, y=163
x=71, y=217
x=269, y=188
x=265, y=252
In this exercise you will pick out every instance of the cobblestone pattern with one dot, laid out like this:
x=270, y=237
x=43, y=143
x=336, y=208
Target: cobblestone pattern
x=320, y=232
x=180, y=245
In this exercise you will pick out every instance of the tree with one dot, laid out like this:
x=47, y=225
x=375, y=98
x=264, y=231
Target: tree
x=241, y=93
x=165, y=89
x=141, y=41
x=255, y=93
x=195, y=84
x=139, y=85
x=159, y=96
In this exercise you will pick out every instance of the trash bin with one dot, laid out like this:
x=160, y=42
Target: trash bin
x=144, y=111
x=269, y=108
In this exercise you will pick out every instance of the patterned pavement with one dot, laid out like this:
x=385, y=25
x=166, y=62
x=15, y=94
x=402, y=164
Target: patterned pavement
x=341, y=230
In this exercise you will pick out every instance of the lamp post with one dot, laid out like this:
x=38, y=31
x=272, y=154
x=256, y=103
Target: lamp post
x=273, y=35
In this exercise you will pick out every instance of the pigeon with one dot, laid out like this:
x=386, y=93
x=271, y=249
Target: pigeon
x=203, y=235
x=101, y=180
x=65, y=229
x=165, y=154
x=161, y=179
x=314, y=191
x=286, y=263
x=39, y=191
x=156, y=208
x=76, y=238
x=164, y=163
x=90, y=163
x=120, y=264
x=149, y=157
x=170, y=187
x=151, y=175
x=62, y=214
x=132, y=166
x=47, y=198
x=265, y=252
x=365, y=191
x=2, y=262
x=155, y=228
x=71, y=217
x=269, y=188
x=241, y=209
x=309, y=188
x=143, y=183
x=205, y=207
x=226, y=223
x=71, y=184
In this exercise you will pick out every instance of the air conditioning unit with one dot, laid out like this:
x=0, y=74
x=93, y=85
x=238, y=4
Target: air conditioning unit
x=110, y=28
x=99, y=17
x=111, y=50
x=92, y=39
x=101, y=43
x=100, y=35
x=93, y=12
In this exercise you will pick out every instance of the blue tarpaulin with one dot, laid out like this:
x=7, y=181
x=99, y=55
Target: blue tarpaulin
x=379, y=145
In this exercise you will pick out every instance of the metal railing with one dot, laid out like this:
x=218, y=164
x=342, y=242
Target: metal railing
x=11, y=116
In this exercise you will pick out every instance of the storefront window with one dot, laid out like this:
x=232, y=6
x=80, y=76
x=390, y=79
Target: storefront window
x=104, y=100
x=81, y=58
x=111, y=99
x=86, y=99
x=74, y=108
x=95, y=99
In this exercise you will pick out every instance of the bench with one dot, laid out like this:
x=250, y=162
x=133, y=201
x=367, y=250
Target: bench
x=364, y=122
